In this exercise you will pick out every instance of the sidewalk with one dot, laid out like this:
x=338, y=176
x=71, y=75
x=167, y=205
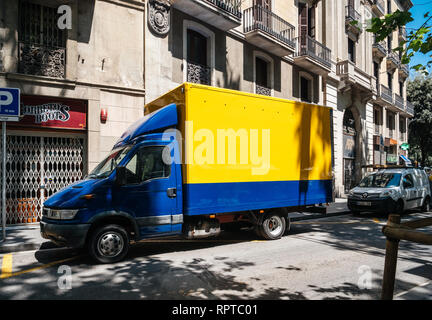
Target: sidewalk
x=28, y=237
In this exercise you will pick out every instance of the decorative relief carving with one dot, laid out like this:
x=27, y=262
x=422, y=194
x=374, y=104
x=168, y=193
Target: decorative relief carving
x=159, y=16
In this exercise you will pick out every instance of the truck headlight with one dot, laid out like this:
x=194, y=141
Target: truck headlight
x=387, y=193
x=61, y=214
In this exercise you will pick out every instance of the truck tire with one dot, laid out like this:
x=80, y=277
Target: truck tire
x=272, y=227
x=109, y=243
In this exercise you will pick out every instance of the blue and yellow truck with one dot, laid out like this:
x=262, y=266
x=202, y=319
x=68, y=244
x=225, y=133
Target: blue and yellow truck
x=200, y=159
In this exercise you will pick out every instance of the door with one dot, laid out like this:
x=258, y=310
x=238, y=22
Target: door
x=410, y=191
x=150, y=193
x=37, y=166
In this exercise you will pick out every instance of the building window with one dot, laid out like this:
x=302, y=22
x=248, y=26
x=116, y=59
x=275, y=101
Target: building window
x=42, y=45
x=261, y=77
x=306, y=87
x=389, y=43
x=389, y=8
x=351, y=50
x=390, y=81
x=311, y=22
x=401, y=87
x=198, y=70
x=263, y=73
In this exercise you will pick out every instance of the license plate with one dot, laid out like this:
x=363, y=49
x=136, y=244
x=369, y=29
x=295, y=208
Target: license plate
x=364, y=203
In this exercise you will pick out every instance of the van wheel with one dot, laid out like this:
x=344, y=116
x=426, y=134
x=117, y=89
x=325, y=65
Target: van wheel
x=426, y=205
x=109, y=244
x=399, y=207
x=272, y=227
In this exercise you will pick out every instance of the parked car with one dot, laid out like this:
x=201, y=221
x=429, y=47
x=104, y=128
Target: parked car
x=391, y=191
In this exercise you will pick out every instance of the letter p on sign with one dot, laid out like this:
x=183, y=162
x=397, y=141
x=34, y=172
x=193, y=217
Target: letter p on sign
x=9, y=104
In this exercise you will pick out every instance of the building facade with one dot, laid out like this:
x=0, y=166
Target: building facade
x=69, y=79
x=119, y=54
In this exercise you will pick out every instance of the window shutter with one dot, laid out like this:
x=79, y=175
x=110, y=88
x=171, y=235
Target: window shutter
x=303, y=25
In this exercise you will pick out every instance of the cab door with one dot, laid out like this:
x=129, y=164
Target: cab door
x=151, y=192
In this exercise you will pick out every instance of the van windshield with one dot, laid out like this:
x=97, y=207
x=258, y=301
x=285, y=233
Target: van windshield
x=381, y=180
x=107, y=166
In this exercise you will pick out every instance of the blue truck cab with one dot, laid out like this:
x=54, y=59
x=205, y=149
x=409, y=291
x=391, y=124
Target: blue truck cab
x=132, y=194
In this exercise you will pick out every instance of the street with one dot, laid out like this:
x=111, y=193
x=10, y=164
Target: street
x=332, y=258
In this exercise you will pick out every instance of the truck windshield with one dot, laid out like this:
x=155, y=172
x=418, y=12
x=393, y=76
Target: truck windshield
x=107, y=166
x=381, y=180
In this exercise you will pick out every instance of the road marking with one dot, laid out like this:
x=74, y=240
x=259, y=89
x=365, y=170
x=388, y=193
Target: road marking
x=44, y=266
x=6, y=270
x=330, y=222
x=405, y=292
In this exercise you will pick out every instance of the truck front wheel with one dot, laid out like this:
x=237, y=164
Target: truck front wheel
x=109, y=244
x=272, y=227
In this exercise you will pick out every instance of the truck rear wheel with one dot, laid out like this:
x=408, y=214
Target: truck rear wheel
x=272, y=227
x=109, y=244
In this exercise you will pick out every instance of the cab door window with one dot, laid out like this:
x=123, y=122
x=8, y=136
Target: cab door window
x=408, y=182
x=147, y=164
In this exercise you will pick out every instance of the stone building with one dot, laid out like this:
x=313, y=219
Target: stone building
x=119, y=54
x=68, y=79
x=302, y=50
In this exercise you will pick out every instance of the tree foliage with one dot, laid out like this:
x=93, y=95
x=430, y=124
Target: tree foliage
x=419, y=93
x=418, y=41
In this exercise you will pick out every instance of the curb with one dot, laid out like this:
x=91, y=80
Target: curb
x=321, y=216
x=19, y=247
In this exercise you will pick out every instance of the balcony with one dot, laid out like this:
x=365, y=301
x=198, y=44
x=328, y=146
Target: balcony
x=379, y=49
x=352, y=16
x=393, y=60
x=197, y=73
x=409, y=109
x=40, y=60
x=399, y=102
x=268, y=31
x=223, y=14
x=384, y=96
x=353, y=76
x=312, y=55
x=262, y=90
x=402, y=33
x=404, y=71
x=378, y=7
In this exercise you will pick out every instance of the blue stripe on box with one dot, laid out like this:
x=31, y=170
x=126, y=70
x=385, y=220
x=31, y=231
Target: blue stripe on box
x=206, y=198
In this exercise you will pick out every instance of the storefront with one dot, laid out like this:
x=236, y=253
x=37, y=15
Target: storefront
x=46, y=151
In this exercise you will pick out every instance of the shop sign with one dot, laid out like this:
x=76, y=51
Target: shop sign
x=37, y=111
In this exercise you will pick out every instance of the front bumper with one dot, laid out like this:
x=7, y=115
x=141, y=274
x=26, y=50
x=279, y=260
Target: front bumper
x=69, y=235
x=376, y=204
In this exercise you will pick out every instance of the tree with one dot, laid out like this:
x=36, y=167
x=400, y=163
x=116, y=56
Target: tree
x=419, y=40
x=419, y=93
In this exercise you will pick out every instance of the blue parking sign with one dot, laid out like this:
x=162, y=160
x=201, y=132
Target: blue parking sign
x=9, y=104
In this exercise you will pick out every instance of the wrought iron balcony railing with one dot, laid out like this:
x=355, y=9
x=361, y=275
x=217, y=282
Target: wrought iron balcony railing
x=380, y=46
x=259, y=18
x=394, y=58
x=40, y=60
x=262, y=90
x=351, y=13
x=402, y=33
x=380, y=5
x=399, y=101
x=231, y=6
x=306, y=46
x=410, y=108
x=386, y=94
x=198, y=73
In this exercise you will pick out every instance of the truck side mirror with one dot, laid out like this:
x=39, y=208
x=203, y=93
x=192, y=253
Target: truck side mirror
x=120, y=176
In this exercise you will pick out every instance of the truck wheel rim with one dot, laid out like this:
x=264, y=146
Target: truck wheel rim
x=274, y=225
x=110, y=244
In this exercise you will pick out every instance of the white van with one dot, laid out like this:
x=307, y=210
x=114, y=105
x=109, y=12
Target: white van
x=391, y=191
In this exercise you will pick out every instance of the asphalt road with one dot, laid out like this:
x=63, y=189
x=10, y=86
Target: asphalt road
x=332, y=258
